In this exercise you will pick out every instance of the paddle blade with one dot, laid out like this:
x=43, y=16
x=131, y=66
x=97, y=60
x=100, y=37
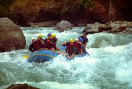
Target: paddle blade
x=26, y=56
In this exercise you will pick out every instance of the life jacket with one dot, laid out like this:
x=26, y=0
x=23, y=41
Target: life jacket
x=50, y=43
x=36, y=45
x=69, y=48
x=77, y=48
x=53, y=40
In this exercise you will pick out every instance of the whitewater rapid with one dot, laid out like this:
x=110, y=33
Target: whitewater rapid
x=107, y=67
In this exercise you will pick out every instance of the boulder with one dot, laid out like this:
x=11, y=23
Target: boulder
x=129, y=24
x=128, y=30
x=21, y=86
x=94, y=28
x=118, y=26
x=91, y=28
x=63, y=25
x=11, y=36
x=43, y=24
x=105, y=27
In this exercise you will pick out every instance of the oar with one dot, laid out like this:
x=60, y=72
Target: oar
x=26, y=56
x=62, y=48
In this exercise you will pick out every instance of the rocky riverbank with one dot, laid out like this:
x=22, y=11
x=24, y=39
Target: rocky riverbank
x=110, y=27
x=78, y=12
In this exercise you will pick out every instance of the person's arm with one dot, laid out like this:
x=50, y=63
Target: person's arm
x=64, y=44
x=31, y=48
x=42, y=42
x=57, y=48
x=70, y=57
x=54, y=46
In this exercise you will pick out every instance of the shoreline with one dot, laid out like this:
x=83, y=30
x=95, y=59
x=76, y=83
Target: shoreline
x=110, y=27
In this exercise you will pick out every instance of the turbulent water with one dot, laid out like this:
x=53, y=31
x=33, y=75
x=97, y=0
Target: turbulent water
x=109, y=65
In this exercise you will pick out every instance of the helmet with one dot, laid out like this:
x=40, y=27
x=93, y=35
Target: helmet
x=53, y=35
x=71, y=40
x=40, y=35
x=49, y=34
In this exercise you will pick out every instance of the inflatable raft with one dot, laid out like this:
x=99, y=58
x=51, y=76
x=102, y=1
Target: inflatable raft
x=42, y=56
x=47, y=55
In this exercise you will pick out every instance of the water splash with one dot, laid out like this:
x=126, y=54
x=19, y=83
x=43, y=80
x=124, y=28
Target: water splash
x=107, y=67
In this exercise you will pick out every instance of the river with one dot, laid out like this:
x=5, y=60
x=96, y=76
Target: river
x=109, y=65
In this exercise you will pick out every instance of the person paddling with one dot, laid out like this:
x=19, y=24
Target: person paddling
x=51, y=41
x=37, y=44
x=83, y=39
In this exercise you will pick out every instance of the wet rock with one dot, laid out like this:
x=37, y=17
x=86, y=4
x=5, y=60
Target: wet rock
x=95, y=28
x=129, y=24
x=128, y=30
x=118, y=26
x=111, y=27
x=126, y=27
x=11, y=37
x=63, y=25
x=21, y=86
x=104, y=27
x=91, y=28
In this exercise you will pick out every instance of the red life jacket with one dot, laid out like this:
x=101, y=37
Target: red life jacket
x=36, y=45
x=77, y=47
x=69, y=47
x=51, y=43
x=48, y=43
x=53, y=40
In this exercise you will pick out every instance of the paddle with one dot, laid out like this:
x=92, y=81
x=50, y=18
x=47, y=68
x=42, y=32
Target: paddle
x=62, y=48
x=26, y=56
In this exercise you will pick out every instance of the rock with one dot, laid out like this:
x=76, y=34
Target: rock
x=44, y=24
x=118, y=26
x=11, y=37
x=104, y=27
x=96, y=27
x=91, y=28
x=43, y=10
x=21, y=86
x=111, y=27
x=128, y=30
x=129, y=24
x=63, y=25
